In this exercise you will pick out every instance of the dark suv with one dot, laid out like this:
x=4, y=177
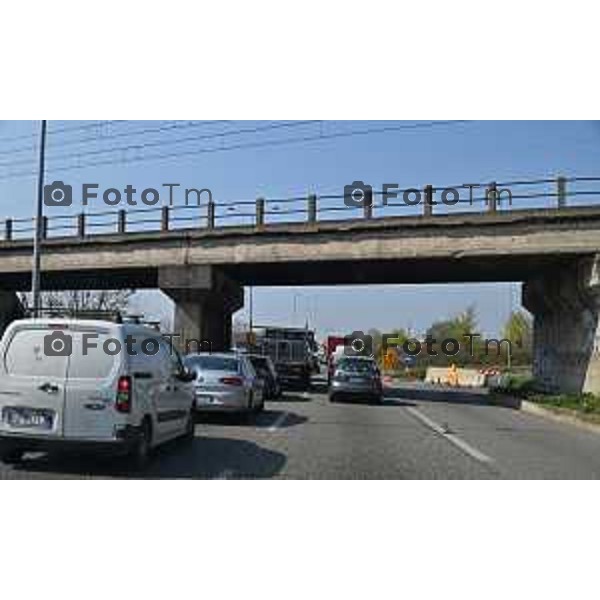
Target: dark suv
x=358, y=377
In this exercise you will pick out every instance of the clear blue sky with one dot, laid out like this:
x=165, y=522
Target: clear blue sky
x=441, y=155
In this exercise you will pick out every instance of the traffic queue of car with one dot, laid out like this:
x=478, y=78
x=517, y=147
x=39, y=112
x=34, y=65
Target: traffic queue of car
x=120, y=388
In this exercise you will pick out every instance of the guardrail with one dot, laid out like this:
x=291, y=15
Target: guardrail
x=557, y=192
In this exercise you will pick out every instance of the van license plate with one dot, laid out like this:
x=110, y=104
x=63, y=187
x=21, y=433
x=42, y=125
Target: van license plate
x=28, y=417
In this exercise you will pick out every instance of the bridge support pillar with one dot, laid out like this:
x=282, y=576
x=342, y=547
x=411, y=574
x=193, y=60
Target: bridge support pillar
x=565, y=304
x=205, y=300
x=10, y=309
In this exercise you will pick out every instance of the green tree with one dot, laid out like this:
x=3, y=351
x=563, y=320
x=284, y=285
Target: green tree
x=518, y=329
x=455, y=328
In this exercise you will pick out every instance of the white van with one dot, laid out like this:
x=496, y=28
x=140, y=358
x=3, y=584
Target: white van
x=90, y=385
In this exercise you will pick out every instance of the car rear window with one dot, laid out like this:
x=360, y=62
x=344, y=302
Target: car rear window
x=356, y=366
x=214, y=363
x=26, y=355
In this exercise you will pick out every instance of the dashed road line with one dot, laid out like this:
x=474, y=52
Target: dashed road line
x=226, y=474
x=451, y=437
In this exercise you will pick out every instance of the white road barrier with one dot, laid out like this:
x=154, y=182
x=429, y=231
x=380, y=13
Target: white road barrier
x=465, y=377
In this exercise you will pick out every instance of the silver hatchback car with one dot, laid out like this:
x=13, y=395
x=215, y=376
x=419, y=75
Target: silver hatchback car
x=225, y=382
x=358, y=377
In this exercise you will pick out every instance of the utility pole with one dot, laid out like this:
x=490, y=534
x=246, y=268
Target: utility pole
x=251, y=308
x=295, y=300
x=37, y=236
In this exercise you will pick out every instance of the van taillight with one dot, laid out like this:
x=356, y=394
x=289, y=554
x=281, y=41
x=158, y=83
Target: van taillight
x=123, y=401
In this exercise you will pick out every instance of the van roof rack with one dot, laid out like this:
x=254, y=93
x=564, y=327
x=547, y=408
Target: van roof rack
x=130, y=318
x=74, y=313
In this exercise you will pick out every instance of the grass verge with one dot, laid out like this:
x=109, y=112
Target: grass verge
x=585, y=407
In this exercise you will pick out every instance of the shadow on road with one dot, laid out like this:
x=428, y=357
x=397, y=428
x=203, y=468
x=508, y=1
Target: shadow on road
x=446, y=395
x=203, y=458
x=210, y=457
x=292, y=419
x=287, y=397
x=265, y=419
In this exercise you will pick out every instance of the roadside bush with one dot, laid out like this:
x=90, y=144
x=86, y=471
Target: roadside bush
x=517, y=385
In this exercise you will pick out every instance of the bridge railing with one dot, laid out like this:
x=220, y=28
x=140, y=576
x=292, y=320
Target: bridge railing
x=426, y=201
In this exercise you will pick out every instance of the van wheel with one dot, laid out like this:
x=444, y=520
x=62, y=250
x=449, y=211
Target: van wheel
x=140, y=454
x=11, y=457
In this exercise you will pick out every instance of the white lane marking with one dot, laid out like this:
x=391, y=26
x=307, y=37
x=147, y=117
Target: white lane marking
x=451, y=437
x=279, y=421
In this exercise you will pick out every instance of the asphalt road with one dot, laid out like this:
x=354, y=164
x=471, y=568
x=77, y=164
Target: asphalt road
x=418, y=433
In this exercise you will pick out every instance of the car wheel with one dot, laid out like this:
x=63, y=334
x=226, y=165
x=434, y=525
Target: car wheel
x=333, y=398
x=190, y=427
x=140, y=455
x=260, y=407
x=11, y=457
x=248, y=414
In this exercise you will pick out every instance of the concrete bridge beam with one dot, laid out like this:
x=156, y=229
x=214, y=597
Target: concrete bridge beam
x=205, y=300
x=565, y=304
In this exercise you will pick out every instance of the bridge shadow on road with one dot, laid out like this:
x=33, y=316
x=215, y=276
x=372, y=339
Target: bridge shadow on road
x=446, y=395
x=202, y=458
x=387, y=403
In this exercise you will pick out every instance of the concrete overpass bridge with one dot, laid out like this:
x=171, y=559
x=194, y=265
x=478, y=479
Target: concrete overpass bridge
x=554, y=250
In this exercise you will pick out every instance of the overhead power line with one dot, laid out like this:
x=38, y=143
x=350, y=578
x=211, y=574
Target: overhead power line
x=184, y=140
x=320, y=136
x=54, y=130
x=127, y=133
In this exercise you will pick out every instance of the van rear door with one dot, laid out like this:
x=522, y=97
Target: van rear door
x=32, y=388
x=90, y=390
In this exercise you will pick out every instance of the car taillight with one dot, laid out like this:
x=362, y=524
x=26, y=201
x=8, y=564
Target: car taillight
x=124, y=394
x=232, y=380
